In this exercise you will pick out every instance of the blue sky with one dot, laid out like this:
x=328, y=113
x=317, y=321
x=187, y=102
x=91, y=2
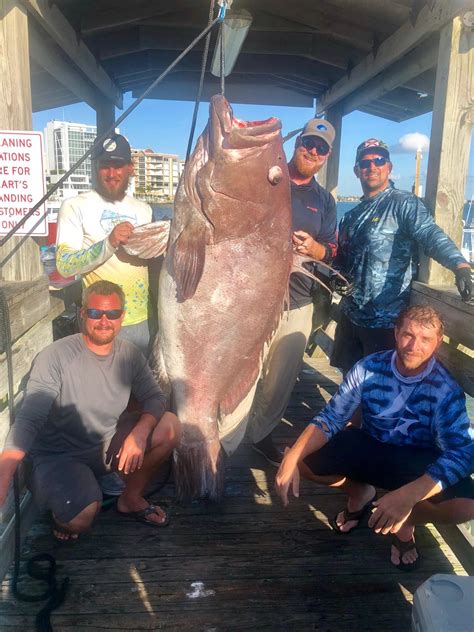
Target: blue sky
x=164, y=126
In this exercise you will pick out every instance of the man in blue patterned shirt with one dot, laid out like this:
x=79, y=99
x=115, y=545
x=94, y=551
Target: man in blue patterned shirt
x=377, y=248
x=415, y=440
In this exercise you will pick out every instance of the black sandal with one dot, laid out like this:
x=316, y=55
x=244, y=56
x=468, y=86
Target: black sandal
x=403, y=547
x=351, y=515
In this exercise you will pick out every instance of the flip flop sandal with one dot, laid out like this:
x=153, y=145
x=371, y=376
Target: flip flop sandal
x=404, y=547
x=351, y=515
x=141, y=516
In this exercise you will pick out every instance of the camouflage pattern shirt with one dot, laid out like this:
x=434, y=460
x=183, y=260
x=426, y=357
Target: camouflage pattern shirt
x=427, y=410
x=378, y=248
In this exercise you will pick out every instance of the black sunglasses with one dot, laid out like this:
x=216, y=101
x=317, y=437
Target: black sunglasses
x=111, y=314
x=311, y=142
x=365, y=163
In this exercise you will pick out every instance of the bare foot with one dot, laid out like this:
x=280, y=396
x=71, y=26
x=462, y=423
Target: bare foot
x=62, y=535
x=404, y=558
x=355, y=503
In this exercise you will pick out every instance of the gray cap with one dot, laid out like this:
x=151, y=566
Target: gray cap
x=114, y=148
x=321, y=128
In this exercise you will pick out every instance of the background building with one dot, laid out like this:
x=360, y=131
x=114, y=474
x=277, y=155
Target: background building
x=64, y=144
x=156, y=174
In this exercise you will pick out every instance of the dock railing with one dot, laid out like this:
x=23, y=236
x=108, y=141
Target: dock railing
x=457, y=355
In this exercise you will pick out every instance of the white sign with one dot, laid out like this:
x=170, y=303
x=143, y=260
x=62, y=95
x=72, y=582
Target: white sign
x=21, y=182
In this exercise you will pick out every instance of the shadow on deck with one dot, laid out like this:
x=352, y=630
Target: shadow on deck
x=247, y=564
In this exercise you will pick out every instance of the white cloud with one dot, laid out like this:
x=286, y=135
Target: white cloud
x=409, y=143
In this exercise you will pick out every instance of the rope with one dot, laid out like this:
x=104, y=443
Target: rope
x=100, y=140
x=201, y=83
x=52, y=593
x=221, y=29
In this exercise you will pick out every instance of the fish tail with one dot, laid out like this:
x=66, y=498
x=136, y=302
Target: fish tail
x=199, y=471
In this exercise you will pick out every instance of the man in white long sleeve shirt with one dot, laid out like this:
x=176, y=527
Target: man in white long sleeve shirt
x=93, y=226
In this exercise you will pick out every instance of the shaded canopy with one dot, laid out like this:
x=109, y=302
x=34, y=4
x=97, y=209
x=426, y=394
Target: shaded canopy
x=382, y=53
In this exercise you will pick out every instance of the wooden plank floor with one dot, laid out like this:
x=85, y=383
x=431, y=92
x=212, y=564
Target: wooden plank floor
x=247, y=564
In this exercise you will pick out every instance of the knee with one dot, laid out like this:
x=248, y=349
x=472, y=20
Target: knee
x=168, y=431
x=83, y=520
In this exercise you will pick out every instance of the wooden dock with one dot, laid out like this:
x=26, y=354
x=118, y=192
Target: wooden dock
x=247, y=564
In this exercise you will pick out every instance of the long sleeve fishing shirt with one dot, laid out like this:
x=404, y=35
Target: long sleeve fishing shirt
x=426, y=410
x=314, y=211
x=378, y=248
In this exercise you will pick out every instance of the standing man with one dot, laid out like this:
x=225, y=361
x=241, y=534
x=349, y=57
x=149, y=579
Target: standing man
x=93, y=226
x=314, y=236
x=415, y=441
x=69, y=424
x=378, y=242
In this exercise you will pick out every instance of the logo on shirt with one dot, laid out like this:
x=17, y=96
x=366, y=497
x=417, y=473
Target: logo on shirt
x=312, y=209
x=375, y=219
x=110, y=219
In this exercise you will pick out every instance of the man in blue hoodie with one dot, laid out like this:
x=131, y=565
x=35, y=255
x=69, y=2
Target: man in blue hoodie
x=377, y=249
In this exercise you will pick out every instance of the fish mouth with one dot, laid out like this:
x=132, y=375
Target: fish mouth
x=237, y=134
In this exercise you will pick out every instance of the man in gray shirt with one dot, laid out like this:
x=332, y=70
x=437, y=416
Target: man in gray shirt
x=69, y=422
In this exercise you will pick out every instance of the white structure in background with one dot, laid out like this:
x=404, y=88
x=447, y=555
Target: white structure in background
x=156, y=174
x=65, y=143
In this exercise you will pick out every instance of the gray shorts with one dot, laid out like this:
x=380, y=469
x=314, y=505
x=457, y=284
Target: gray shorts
x=67, y=483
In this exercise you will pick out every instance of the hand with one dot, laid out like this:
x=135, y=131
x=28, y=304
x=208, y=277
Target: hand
x=391, y=512
x=131, y=454
x=120, y=234
x=304, y=244
x=341, y=287
x=464, y=281
x=288, y=475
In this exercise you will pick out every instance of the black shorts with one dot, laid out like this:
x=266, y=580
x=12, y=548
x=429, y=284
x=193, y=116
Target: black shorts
x=360, y=457
x=352, y=343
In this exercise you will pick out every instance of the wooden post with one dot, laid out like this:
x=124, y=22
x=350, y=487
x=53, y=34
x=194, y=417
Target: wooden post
x=20, y=263
x=105, y=115
x=450, y=143
x=328, y=176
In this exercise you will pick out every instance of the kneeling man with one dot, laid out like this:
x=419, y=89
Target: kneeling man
x=415, y=440
x=69, y=421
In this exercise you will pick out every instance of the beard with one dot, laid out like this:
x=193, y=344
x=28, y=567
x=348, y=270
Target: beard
x=306, y=167
x=101, y=336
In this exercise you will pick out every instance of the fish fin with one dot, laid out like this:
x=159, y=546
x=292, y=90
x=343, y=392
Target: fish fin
x=188, y=259
x=241, y=387
x=297, y=266
x=157, y=365
x=149, y=240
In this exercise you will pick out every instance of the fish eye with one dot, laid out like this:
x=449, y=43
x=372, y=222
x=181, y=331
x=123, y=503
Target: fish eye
x=275, y=175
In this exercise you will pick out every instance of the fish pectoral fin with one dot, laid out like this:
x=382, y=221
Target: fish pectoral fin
x=149, y=240
x=297, y=266
x=188, y=259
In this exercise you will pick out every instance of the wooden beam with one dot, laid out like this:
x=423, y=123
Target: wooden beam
x=413, y=64
x=105, y=116
x=49, y=57
x=50, y=18
x=451, y=133
x=431, y=18
x=19, y=259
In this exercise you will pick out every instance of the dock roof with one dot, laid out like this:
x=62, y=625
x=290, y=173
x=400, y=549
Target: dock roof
x=378, y=56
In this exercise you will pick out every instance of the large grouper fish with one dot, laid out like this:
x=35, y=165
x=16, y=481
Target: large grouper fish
x=223, y=287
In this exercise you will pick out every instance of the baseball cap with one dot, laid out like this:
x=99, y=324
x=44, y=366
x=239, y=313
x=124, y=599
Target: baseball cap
x=114, y=148
x=321, y=128
x=372, y=146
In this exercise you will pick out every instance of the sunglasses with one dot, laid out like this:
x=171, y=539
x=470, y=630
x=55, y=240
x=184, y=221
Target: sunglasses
x=309, y=142
x=110, y=314
x=366, y=162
